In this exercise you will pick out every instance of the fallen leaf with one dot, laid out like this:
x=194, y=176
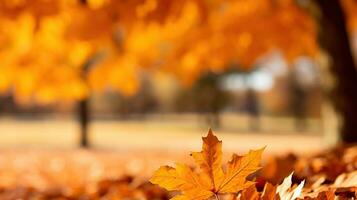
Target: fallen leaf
x=346, y=180
x=250, y=193
x=181, y=178
x=269, y=192
x=285, y=190
x=238, y=169
x=210, y=160
x=326, y=195
x=211, y=180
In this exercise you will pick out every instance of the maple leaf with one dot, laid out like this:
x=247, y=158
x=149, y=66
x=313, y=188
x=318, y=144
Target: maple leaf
x=181, y=178
x=346, y=180
x=286, y=192
x=210, y=160
x=269, y=192
x=211, y=180
x=250, y=193
x=326, y=195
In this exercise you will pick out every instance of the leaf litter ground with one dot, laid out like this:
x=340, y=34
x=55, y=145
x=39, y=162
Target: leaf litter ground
x=105, y=175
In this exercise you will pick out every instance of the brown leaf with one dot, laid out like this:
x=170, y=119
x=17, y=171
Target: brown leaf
x=250, y=193
x=326, y=195
x=269, y=192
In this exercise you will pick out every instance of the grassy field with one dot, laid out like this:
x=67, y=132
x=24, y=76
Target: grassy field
x=158, y=133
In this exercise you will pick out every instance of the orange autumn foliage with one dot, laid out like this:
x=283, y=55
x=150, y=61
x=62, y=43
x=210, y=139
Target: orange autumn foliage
x=46, y=46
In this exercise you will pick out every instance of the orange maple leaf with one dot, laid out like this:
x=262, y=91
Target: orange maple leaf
x=251, y=193
x=213, y=179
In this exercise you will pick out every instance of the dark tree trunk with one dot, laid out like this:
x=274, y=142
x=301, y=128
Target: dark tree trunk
x=84, y=109
x=334, y=40
x=83, y=114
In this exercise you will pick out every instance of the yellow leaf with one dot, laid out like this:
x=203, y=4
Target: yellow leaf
x=181, y=178
x=180, y=197
x=212, y=180
x=168, y=178
x=238, y=169
x=210, y=160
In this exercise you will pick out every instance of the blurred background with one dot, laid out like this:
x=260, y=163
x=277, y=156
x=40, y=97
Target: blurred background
x=156, y=74
x=96, y=89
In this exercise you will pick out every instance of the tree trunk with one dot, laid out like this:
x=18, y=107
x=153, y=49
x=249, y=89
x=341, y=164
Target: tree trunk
x=83, y=114
x=334, y=40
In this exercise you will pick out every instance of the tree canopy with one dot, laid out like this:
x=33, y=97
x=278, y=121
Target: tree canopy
x=66, y=49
